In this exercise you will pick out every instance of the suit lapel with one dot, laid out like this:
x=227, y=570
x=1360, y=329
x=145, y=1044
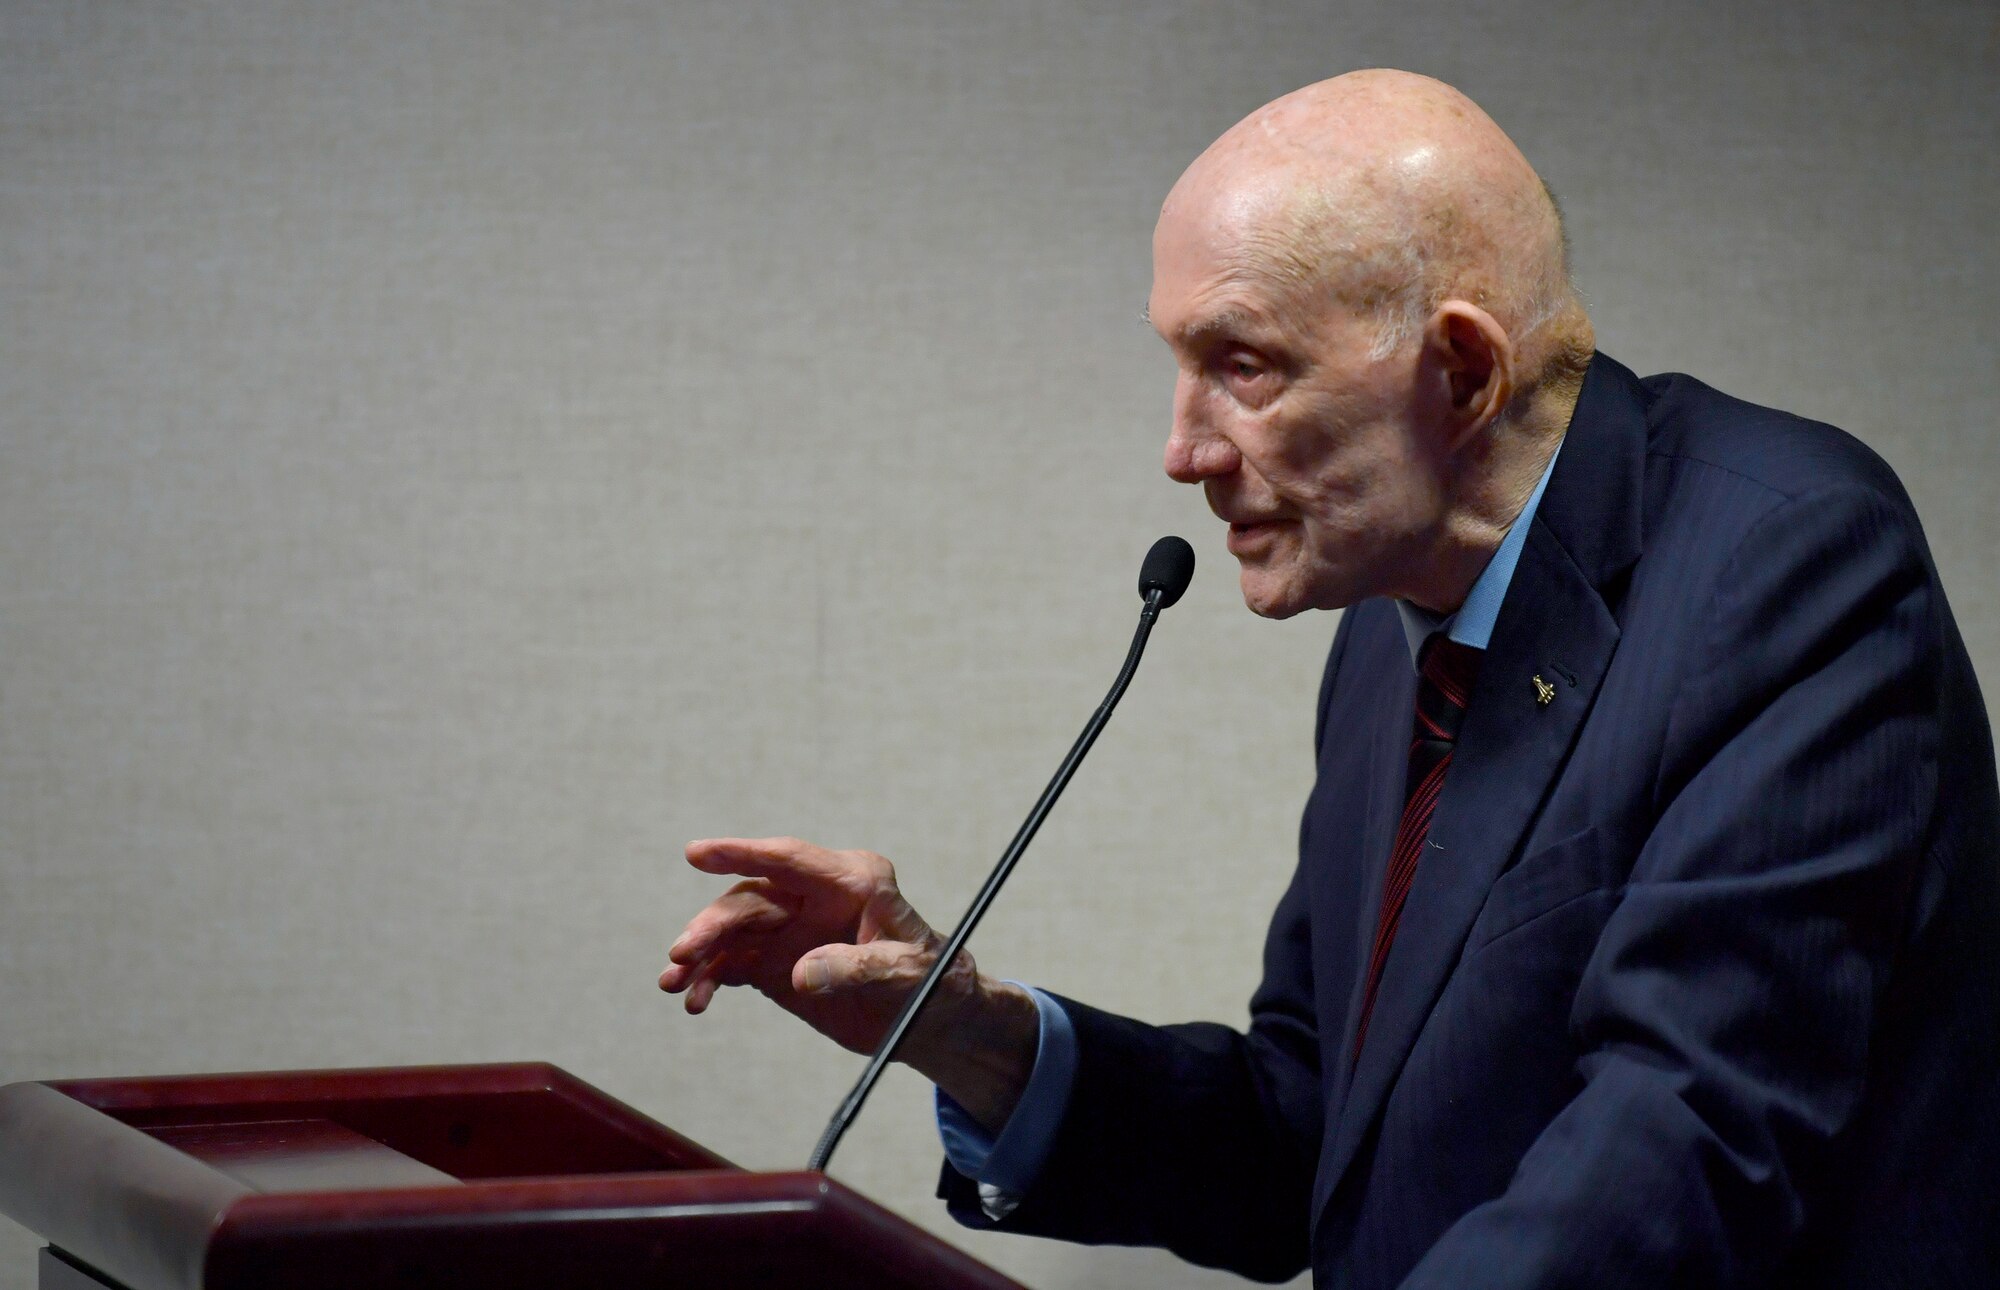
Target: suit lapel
x=1389, y=758
x=1508, y=754
x=1554, y=625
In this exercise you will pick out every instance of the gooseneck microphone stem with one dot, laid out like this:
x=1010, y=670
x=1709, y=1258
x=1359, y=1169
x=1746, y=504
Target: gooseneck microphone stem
x=1156, y=599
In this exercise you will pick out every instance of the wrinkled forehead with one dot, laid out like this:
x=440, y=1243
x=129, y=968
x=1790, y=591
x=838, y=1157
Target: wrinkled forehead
x=1210, y=274
x=1250, y=227
x=1266, y=236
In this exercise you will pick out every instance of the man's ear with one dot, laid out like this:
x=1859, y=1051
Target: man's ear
x=1474, y=358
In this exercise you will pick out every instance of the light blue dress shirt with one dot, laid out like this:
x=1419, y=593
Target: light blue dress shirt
x=1005, y=1166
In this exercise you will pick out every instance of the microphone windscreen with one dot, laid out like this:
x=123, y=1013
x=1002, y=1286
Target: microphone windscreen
x=1168, y=569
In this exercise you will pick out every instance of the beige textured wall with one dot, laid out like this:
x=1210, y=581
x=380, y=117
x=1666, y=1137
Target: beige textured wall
x=452, y=454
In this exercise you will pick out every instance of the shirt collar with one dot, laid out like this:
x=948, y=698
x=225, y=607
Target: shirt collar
x=1473, y=623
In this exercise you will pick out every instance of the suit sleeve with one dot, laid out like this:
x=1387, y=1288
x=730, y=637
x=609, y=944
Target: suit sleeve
x=1196, y=1138
x=1725, y=1016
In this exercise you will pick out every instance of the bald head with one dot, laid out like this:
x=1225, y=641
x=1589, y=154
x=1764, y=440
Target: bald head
x=1391, y=192
x=1365, y=291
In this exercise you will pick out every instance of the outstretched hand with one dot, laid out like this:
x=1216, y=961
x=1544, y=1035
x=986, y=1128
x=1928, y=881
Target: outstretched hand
x=827, y=936
x=824, y=934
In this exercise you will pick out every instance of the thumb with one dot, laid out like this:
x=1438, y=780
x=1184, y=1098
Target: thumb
x=832, y=968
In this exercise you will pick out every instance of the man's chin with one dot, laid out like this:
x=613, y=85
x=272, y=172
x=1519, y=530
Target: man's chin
x=1269, y=597
x=1271, y=593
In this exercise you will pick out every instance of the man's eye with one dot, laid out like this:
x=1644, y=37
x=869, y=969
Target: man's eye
x=1244, y=375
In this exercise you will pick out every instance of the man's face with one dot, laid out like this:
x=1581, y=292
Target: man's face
x=1301, y=441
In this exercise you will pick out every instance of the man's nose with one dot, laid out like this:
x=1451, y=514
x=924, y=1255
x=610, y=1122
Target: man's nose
x=1195, y=449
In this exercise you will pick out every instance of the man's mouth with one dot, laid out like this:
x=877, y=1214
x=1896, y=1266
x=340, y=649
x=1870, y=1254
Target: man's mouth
x=1246, y=536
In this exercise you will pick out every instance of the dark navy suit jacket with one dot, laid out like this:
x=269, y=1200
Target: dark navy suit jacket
x=1698, y=983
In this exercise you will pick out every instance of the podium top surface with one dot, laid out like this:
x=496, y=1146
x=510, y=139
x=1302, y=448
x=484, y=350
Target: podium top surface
x=465, y=1123
x=500, y=1175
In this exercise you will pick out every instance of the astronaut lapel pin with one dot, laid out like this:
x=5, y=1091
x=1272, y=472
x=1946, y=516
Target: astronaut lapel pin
x=1544, y=692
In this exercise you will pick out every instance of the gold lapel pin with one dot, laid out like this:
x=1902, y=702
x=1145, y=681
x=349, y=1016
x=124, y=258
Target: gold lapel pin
x=1544, y=692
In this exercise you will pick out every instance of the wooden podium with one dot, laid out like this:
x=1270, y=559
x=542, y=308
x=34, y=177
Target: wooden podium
x=450, y=1176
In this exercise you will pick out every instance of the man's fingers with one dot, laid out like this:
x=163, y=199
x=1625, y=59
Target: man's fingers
x=787, y=861
x=751, y=906
x=832, y=968
x=702, y=986
x=792, y=894
x=747, y=907
x=735, y=967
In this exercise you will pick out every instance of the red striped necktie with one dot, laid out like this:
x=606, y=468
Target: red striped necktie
x=1445, y=673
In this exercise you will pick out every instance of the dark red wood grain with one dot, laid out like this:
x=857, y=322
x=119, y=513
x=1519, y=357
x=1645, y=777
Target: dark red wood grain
x=684, y=1229
x=499, y=1121
x=299, y=1155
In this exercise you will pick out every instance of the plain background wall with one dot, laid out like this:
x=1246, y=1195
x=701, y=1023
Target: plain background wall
x=452, y=454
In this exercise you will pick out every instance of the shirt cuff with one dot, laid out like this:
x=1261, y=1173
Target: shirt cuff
x=1010, y=1162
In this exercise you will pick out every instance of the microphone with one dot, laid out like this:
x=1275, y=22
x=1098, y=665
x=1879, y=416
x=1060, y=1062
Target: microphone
x=1162, y=578
x=1168, y=569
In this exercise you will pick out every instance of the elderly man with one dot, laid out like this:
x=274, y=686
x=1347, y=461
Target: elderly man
x=1640, y=929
